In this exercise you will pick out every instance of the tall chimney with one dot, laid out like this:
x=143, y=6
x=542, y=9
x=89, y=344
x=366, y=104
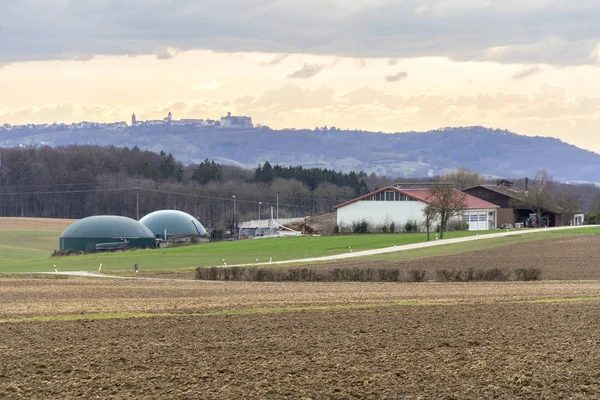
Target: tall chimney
x=526, y=184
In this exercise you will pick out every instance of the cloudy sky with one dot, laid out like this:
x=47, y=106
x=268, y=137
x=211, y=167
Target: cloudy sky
x=530, y=66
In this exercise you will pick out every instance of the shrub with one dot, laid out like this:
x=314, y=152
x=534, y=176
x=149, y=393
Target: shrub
x=392, y=227
x=492, y=274
x=528, y=274
x=457, y=225
x=389, y=274
x=361, y=226
x=336, y=229
x=418, y=275
x=384, y=228
x=411, y=226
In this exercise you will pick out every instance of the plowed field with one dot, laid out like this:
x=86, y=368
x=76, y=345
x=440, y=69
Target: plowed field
x=573, y=257
x=440, y=341
x=507, y=351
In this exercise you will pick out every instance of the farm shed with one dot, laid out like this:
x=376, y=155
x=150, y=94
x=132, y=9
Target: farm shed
x=174, y=222
x=510, y=199
x=392, y=204
x=106, y=232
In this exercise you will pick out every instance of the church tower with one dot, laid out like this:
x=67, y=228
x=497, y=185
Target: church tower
x=133, y=120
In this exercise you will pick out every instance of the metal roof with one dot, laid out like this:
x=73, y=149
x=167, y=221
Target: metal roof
x=107, y=226
x=471, y=202
x=174, y=221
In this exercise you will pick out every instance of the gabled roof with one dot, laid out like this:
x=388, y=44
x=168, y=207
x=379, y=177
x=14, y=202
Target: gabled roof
x=423, y=195
x=512, y=192
x=518, y=195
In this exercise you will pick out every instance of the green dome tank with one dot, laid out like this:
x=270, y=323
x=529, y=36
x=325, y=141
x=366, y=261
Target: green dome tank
x=108, y=231
x=174, y=222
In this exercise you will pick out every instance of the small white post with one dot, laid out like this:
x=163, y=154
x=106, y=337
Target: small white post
x=350, y=249
x=224, y=262
x=100, y=269
x=270, y=260
x=55, y=270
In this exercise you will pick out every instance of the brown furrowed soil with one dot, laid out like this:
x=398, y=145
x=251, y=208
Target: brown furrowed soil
x=466, y=351
x=34, y=224
x=568, y=258
x=40, y=297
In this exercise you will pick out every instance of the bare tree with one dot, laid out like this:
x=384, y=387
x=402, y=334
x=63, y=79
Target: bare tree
x=447, y=202
x=567, y=205
x=464, y=178
x=430, y=213
x=539, y=198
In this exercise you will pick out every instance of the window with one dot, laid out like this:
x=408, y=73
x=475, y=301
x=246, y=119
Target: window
x=465, y=217
x=482, y=217
x=473, y=218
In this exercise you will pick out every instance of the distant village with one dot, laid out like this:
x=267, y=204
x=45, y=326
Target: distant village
x=227, y=122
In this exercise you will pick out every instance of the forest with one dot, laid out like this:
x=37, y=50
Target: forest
x=79, y=181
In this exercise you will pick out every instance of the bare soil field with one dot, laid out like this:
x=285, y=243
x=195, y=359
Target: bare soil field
x=34, y=224
x=465, y=351
x=41, y=297
x=567, y=258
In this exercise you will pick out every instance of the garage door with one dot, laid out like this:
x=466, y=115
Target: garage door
x=477, y=220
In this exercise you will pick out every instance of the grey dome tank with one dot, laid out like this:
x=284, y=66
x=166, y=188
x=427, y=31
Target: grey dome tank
x=85, y=234
x=174, y=222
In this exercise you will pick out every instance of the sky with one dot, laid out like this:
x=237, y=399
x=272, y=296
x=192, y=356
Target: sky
x=529, y=66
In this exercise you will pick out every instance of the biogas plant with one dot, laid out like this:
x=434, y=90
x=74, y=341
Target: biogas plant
x=110, y=232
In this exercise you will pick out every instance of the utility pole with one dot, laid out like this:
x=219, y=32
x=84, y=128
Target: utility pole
x=234, y=219
x=258, y=230
x=137, y=201
x=277, y=207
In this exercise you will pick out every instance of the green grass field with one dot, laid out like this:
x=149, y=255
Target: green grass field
x=29, y=251
x=25, y=245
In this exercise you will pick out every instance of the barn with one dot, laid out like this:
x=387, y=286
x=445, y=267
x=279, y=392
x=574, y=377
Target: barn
x=398, y=205
x=513, y=206
x=106, y=232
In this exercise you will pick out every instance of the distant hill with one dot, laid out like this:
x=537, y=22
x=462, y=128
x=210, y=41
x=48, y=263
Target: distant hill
x=412, y=154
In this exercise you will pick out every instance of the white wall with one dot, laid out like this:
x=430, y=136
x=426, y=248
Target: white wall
x=378, y=213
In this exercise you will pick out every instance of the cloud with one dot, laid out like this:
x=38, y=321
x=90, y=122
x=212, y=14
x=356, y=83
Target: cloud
x=212, y=85
x=566, y=33
x=527, y=72
x=307, y=71
x=275, y=61
x=396, y=77
x=392, y=62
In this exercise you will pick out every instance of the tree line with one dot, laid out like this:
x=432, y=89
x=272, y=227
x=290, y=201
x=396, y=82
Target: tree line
x=79, y=181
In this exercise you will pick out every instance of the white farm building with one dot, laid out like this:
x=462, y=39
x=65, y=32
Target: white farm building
x=392, y=204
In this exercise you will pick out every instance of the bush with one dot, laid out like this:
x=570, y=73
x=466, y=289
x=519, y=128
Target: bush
x=493, y=274
x=418, y=275
x=528, y=274
x=457, y=225
x=361, y=226
x=411, y=226
x=392, y=227
x=336, y=229
x=384, y=228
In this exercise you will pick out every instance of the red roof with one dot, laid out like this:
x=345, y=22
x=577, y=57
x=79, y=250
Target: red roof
x=471, y=202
